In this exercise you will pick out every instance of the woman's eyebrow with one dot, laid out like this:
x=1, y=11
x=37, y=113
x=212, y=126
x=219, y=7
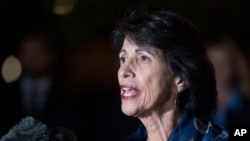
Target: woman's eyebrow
x=147, y=50
x=122, y=51
x=141, y=49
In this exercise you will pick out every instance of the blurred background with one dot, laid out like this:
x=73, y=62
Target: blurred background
x=85, y=72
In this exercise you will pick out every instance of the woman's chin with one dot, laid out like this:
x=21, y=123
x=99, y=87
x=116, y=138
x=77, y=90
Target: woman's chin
x=129, y=111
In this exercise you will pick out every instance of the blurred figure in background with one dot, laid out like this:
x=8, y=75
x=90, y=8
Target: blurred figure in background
x=38, y=58
x=233, y=81
x=39, y=92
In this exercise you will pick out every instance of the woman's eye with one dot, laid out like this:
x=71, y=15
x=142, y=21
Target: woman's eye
x=122, y=60
x=145, y=58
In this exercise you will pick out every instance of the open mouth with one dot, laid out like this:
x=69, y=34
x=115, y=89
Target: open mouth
x=128, y=92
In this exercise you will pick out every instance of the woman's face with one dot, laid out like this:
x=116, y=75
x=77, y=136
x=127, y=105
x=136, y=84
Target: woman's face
x=145, y=80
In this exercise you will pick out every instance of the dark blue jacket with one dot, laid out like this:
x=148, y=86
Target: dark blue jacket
x=189, y=128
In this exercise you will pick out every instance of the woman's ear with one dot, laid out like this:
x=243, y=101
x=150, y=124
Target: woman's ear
x=180, y=84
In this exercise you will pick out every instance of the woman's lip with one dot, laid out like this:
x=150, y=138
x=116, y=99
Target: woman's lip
x=128, y=92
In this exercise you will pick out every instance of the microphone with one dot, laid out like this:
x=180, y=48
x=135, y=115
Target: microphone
x=31, y=129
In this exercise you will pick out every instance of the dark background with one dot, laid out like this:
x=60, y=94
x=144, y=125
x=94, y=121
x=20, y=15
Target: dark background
x=89, y=67
x=88, y=16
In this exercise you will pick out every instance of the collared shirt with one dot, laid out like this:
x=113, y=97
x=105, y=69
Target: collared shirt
x=189, y=128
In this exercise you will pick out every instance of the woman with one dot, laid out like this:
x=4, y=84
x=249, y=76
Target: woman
x=165, y=77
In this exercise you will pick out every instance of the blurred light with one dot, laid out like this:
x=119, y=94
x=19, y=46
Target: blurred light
x=63, y=7
x=11, y=69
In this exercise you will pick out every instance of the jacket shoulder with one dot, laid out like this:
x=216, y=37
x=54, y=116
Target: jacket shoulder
x=211, y=131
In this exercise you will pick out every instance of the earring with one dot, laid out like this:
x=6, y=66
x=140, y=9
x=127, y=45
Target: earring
x=176, y=102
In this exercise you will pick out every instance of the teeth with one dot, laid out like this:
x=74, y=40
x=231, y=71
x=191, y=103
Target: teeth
x=128, y=94
x=125, y=89
x=128, y=91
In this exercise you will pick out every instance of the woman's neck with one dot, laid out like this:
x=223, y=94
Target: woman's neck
x=160, y=126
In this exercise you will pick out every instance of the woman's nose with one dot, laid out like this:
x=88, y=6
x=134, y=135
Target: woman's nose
x=126, y=70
